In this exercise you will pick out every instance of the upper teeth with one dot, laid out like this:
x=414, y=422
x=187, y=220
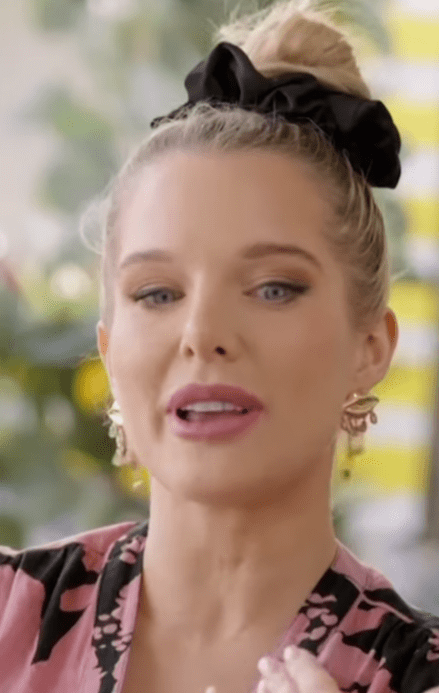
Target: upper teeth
x=212, y=406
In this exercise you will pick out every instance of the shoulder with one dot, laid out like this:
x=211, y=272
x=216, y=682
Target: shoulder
x=91, y=542
x=367, y=637
x=34, y=573
x=370, y=589
x=51, y=597
x=394, y=641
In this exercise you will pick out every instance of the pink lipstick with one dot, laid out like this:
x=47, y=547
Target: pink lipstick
x=213, y=411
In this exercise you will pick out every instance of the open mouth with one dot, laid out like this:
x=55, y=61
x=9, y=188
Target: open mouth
x=207, y=425
x=187, y=415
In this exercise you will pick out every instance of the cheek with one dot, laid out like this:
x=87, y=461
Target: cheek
x=131, y=334
x=310, y=369
x=311, y=348
x=137, y=379
x=133, y=353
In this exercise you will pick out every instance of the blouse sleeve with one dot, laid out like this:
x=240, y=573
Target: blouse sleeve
x=422, y=670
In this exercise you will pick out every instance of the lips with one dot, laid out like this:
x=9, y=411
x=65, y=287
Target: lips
x=219, y=392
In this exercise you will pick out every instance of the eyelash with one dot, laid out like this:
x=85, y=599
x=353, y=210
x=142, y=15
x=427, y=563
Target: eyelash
x=297, y=288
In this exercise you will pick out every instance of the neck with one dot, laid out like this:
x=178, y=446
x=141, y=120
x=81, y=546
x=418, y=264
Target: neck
x=217, y=573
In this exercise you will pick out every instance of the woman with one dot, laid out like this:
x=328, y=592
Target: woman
x=244, y=321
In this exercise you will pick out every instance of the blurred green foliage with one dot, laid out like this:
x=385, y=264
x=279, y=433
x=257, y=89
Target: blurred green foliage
x=87, y=156
x=53, y=442
x=55, y=15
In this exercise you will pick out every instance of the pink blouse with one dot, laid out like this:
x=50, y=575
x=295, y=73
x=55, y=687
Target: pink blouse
x=68, y=610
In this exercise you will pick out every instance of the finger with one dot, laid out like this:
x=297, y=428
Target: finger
x=306, y=671
x=262, y=688
x=276, y=678
x=273, y=685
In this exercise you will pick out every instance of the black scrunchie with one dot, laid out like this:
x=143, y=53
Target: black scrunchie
x=363, y=128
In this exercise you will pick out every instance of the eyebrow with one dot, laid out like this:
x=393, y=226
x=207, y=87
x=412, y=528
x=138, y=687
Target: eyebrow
x=250, y=252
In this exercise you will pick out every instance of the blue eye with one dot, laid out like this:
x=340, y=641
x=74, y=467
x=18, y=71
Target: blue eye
x=162, y=291
x=286, y=286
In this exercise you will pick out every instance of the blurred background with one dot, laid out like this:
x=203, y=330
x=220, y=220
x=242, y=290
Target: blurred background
x=80, y=80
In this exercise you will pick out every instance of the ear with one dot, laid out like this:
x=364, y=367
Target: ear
x=375, y=352
x=102, y=340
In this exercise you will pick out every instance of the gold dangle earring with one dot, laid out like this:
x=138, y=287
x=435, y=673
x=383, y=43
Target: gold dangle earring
x=117, y=431
x=354, y=423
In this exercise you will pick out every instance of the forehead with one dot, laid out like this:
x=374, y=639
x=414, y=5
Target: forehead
x=222, y=200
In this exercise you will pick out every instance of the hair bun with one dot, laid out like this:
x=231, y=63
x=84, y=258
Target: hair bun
x=283, y=38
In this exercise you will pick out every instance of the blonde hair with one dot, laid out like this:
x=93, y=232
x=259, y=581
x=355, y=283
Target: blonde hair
x=283, y=37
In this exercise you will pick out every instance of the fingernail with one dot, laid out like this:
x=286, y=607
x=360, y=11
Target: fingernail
x=291, y=652
x=261, y=687
x=265, y=666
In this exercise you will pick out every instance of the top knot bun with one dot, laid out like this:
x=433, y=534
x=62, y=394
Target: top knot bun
x=288, y=38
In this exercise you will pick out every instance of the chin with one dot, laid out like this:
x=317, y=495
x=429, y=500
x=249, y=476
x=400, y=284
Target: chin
x=219, y=492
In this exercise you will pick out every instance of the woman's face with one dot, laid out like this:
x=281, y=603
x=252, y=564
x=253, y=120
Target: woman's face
x=293, y=348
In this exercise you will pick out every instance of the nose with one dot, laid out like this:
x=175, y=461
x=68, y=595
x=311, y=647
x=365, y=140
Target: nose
x=207, y=330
